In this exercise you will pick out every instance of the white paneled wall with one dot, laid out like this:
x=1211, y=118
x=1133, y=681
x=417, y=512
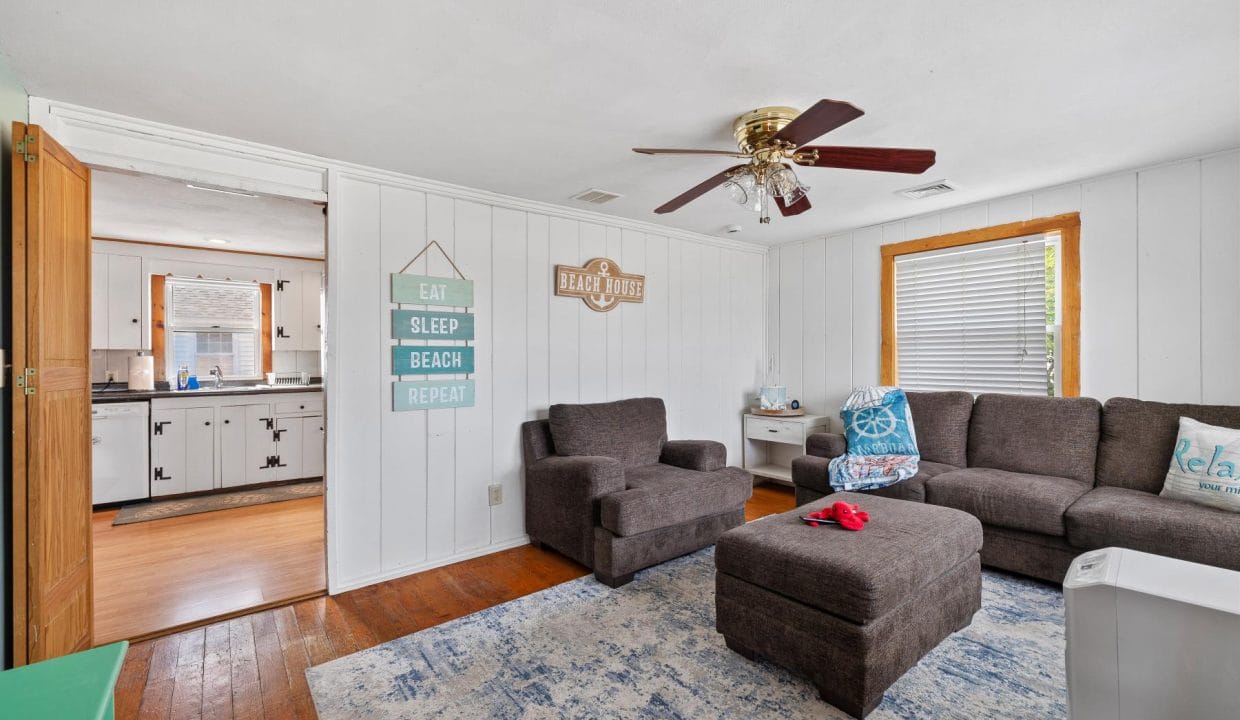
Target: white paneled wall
x=1160, y=286
x=409, y=490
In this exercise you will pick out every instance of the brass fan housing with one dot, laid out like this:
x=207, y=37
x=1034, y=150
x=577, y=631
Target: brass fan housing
x=754, y=129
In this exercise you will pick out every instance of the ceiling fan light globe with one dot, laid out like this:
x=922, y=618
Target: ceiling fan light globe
x=737, y=193
x=793, y=196
x=782, y=182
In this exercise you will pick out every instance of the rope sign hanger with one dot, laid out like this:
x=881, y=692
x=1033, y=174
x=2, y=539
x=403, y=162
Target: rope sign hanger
x=435, y=244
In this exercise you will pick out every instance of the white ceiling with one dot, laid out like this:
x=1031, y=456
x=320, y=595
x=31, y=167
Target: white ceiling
x=542, y=99
x=151, y=209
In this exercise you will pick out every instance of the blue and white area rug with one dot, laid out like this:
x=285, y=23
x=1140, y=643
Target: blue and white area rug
x=650, y=650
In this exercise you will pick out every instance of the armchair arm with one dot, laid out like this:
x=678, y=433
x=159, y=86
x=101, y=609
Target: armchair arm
x=562, y=501
x=827, y=445
x=704, y=455
x=577, y=477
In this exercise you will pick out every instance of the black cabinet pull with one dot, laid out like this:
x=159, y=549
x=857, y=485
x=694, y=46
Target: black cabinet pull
x=207, y=423
x=227, y=421
x=303, y=407
x=134, y=321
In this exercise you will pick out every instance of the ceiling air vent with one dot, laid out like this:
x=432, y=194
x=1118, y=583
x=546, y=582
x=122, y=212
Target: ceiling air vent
x=938, y=187
x=595, y=196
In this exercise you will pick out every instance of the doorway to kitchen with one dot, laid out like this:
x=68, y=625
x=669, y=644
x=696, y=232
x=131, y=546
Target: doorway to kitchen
x=208, y=433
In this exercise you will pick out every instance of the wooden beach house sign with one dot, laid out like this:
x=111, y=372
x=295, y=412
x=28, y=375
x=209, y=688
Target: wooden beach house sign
x=432, y=326
x=600, y=284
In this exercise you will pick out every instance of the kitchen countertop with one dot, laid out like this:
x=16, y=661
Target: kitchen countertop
x=111, y=396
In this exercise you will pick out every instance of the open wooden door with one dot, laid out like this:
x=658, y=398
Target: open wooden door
x=52, y=585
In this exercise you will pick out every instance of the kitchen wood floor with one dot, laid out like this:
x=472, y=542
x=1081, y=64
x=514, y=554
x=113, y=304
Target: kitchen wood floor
x=162, y=574
x=253, y=666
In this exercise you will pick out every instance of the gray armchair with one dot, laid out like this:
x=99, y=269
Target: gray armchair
x=604, y=486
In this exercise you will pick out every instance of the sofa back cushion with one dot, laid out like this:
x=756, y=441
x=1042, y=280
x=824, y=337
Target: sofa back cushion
x=941, y=423
x=1138, y=438
x=631, y=431
x=1036, y=435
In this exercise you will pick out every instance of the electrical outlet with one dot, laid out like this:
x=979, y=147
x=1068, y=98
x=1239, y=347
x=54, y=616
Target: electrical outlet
x=495, y=494
x=110, y=376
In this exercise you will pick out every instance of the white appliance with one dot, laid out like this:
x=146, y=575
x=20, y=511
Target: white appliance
x=120, y=451
x=1151, y=638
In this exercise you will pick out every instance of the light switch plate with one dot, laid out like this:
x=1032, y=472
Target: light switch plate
x=495, y=494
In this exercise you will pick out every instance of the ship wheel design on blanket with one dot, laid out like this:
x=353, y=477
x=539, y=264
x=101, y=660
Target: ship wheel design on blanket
x=874, y=422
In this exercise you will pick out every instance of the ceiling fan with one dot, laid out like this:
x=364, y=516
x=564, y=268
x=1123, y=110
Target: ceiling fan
x=771, y=137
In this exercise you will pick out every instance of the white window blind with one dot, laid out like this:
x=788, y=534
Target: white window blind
x=213, y=324
x=974, y=318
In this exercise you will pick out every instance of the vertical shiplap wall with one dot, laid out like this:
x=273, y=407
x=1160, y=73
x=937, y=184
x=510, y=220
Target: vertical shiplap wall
x=1160, y=273
x=409, y=490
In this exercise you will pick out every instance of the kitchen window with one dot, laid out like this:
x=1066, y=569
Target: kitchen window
x=210, y=323
x=990, y=310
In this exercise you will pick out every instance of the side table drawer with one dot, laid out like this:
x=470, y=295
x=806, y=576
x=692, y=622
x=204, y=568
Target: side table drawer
x=771, y=430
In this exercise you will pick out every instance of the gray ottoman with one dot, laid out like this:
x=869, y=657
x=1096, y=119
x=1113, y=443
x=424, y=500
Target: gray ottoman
x=850, y=611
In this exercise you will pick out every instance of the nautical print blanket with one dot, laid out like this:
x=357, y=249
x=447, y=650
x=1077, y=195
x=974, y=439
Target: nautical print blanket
x=882, y=447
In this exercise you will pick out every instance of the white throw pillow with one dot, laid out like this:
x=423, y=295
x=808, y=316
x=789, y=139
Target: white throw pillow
x=1205, y=466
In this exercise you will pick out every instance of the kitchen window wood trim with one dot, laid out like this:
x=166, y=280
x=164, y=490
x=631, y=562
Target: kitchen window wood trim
x=159, y=329
x=1067, y=225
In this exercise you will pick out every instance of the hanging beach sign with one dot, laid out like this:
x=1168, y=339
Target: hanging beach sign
x=432, y=325
x=600, y=284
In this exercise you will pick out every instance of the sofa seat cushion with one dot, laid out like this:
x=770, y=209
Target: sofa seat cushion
x=631, y=431
x=1120, y=517
x=1020, y=501
x=941, y=423
x=1054, y=436
x=659, y=496
x=859, y=576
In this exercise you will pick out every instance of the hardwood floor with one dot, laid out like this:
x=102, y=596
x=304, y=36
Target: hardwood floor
x=253, y=666
x=162, y=574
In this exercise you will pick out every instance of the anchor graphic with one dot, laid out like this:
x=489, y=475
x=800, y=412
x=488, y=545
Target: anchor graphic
x=603, y=301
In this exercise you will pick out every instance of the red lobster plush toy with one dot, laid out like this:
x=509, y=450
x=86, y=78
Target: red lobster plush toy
x=849, y=517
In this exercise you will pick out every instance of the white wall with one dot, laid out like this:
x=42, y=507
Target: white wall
x=1160, y=286
x=410, y=489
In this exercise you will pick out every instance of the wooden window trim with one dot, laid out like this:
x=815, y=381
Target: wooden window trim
x=159, y=331
x=1067, y=225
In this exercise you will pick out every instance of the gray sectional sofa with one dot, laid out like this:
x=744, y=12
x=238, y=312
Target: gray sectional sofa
x=1050, y=478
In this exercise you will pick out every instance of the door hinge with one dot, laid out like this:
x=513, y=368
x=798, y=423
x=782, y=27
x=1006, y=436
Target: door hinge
x=281, y=334
x=159, y=474
x=26, y=381
x=280, y=284
x=159, y=427
x=25, y=148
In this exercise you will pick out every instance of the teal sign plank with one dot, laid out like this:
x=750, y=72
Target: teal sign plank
x=432, y=394
x=431, y=325
x=428, y=290
x=422, y=360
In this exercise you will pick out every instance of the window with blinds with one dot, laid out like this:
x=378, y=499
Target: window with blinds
x=214, y=323
x=979, y=318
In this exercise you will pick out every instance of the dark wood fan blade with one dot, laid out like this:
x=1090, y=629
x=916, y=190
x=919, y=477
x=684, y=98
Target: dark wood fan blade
x=696, y=191
x=901, y=160
x=795, y=208
x=680, y=151
x=822, y=118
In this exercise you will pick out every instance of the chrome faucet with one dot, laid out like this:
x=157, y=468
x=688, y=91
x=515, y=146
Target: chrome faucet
x=219, y=376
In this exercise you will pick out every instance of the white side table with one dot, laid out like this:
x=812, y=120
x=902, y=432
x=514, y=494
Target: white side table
x=772, y=442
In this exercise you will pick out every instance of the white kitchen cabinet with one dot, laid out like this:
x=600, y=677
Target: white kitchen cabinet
x=124, y=302
x=313, y=448
x=289, y=445
x=311, y=311
x=199, y=449
x=287, y=302
x=167, y=451
x=98, y=301
x=260, y=445
x=232, y=446
x=182, y=450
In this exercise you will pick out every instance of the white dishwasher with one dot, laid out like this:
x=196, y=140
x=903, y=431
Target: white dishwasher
x=120, y=452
